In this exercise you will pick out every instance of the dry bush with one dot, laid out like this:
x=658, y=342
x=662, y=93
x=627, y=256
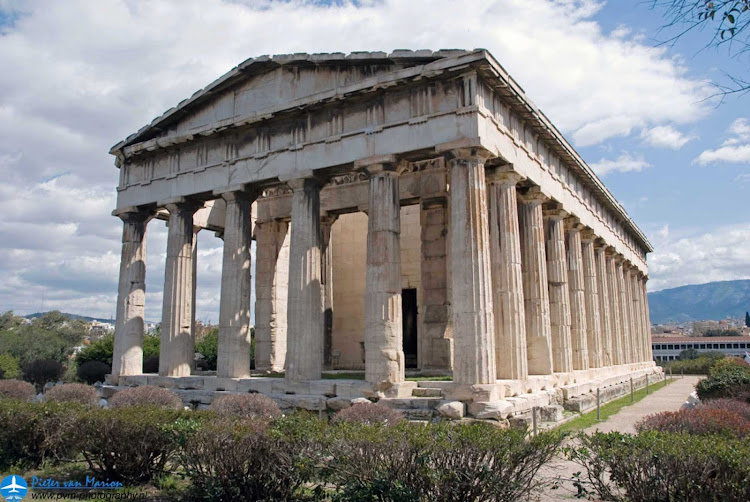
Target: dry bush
x=246, y=406
x=146, y=395
x=732, y=405
x=73, y=393
x=700, y=421
x=243, y=460
x=363, y=413
x=17, y=389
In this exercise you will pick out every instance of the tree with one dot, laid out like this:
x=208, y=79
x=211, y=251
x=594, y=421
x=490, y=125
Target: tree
x=726, y=21
x=689, y=354
x=747, y=319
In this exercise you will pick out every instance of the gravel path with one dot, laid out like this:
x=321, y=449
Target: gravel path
x=668, y=398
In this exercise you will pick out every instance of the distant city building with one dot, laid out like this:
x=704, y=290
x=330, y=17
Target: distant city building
x=668, y=348
x=99, y=329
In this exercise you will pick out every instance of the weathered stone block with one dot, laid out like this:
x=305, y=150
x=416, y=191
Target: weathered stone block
x=452, y=409
x=338, y=403
x=494, y=409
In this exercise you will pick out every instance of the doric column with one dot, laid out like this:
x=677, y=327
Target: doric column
x=629, y=342
x=605, y=302
x=177, y=351
x=234, y=310
x=615, y=300
x=593, y=306
x=471, y=282
x=511, y=358
x=559, y=295
x=326, y=222
x=577, y=293
x=623, y=342
x=384, y=353
x=638, y=349
x=271, y=279
x=434, y=337
x=127, y=358
x=304, y=356
x=193, y=300
x=647, y=320
x=535, y=288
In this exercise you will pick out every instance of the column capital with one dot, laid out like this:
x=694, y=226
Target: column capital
x=133, y=214
x=554, y=211
x=239, y=193
x=477, y=154
x=532, y=195
x=573, y=224
x=180, y=204
x=588, y=235
x=503, y=175
x=308, y=182
x=381, y=164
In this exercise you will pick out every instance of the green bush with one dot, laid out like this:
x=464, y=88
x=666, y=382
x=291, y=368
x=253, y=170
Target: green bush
x=9, y=367
x=411, y=462
x=208, y=347
x=128, y=444
x=41, y=371
x=93, y=371
x=700, y=365
x=244, y=460
x=655, y=466
x=34, y=432
x=728, y=378
x=102, y=349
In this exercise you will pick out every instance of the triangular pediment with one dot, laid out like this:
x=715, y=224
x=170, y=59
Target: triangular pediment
x=269, y=84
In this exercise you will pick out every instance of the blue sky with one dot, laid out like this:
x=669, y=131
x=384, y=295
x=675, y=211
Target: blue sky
x=80, y=75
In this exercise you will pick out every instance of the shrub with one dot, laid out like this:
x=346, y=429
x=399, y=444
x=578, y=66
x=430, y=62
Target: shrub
x=470, y=463
x=34, y=432
x=9, y=367
x=41, y=371
x=255, y=406
x=93, y=371
x=102, y=350
x=129, y=444
x=208, y=347
x=698, y=366
x=654, y=466
x=151, y=364
x=363, y=413
x=728, y=378
x=17, y=389
x=73, y=393
x=732, y=405
x=146, y=395
x=700, y=421
x=244, y=460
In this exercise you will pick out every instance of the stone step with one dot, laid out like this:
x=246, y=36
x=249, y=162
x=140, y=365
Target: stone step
x=427, y=392
x=420, y=414
x=410, y=403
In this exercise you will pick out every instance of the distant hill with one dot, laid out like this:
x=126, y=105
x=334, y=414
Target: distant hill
x=71, y=316
x=713, y=300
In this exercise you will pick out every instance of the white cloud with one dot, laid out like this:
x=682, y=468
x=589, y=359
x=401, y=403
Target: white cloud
x=694, y=257
x=665, y=137
x=734, y=150
x=626, y=162
x=78, y=76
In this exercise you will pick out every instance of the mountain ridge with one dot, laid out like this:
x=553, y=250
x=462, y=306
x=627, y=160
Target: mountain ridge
x=696, y=302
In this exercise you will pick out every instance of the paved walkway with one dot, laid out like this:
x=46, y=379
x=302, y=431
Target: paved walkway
x=667, y=398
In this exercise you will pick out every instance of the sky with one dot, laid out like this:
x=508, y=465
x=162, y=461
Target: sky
x=78, y=76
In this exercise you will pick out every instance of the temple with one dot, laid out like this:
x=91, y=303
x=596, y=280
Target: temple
x=411, y=212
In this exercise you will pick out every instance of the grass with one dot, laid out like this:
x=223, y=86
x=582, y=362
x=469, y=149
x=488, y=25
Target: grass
x=588, y=419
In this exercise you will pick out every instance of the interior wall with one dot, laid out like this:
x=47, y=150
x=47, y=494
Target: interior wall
x=349, y=242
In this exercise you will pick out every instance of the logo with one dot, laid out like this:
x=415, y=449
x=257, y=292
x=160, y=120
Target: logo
x=13, y=488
